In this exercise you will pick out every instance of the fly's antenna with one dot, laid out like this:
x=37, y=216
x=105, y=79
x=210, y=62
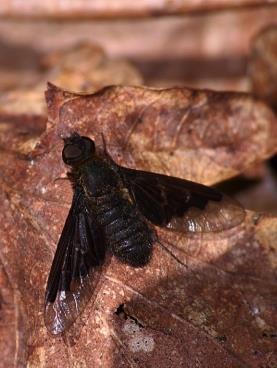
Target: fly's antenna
x=106, y=153
x=105, y=150
x=104, y=144
x=61, y=178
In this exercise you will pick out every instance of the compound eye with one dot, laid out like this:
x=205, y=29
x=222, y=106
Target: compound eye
x=71, y=153
x=77, y=149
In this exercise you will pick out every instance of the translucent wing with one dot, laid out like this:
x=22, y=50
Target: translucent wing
x=181, y=205
x=75, y=268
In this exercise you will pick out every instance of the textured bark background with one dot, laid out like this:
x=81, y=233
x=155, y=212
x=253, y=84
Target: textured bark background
x=211, y=300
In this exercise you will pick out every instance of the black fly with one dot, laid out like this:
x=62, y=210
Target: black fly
x=114, y=210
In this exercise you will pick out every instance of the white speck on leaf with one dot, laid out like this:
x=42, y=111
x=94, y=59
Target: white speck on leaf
x=43, y=190
x=139, y=340
x=141, y=343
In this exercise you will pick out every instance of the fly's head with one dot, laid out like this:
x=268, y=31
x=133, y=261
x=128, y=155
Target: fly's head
x=77, y=149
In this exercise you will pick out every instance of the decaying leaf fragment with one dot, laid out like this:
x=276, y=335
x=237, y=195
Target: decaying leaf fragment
x=263, y=65
x=83, y=67
x=204, y=300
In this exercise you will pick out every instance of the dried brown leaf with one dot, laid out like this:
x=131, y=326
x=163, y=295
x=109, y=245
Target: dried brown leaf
x=263, y=65
x=202, y=135
x=82, y=67
x=210, y=301
x=85, y=68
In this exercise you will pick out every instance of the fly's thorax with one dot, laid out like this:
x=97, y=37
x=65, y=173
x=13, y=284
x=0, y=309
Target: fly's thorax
x=98, y=178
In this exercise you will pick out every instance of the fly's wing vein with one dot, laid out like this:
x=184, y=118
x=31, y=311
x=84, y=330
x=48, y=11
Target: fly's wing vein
x=181, y=205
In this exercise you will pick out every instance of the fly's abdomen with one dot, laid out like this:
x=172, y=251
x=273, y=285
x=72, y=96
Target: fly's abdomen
x=127, y=234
